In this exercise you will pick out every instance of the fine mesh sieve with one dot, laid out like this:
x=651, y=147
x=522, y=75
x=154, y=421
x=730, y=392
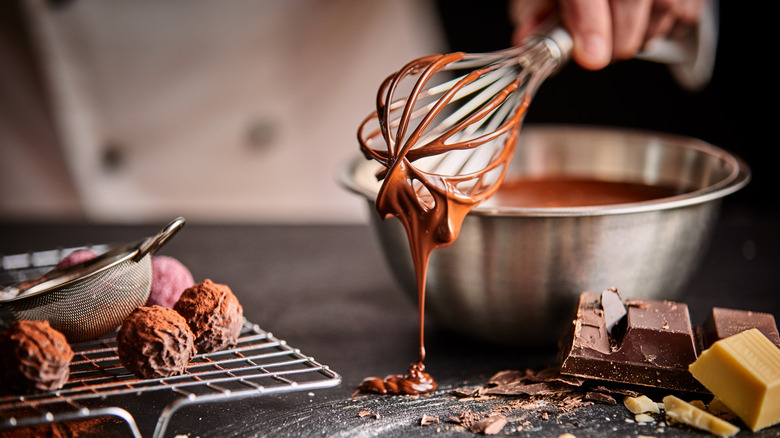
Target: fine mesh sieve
x=92, y=298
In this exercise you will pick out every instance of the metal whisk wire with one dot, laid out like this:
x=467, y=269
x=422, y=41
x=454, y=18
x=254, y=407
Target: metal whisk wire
x=459, y=118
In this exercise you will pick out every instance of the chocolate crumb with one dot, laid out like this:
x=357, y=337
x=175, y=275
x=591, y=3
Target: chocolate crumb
x=463, y=393
x=490, y=425
x=600, y=397
x=467, y=419
x=427, y=419
x=612, y=389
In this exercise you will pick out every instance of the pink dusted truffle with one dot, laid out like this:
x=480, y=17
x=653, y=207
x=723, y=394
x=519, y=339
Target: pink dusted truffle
x=169, y=279
x=76, y=257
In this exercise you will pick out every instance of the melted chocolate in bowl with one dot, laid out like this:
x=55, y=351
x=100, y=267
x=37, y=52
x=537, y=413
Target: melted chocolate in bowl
x=556, y=192
x=514, y=273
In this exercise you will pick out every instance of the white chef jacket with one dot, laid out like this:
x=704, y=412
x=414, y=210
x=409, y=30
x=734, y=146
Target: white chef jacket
x=220, y=111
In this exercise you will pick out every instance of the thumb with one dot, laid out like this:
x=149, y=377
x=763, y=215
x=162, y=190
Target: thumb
x=590, y=25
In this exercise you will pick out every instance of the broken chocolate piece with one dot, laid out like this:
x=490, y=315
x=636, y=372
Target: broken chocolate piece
x=463, y=393
x=519, y=388
x=614, y=310
x=427, y=419
x=490, y=425
x=614, y=389
x=723, y=323
x=600, y=397
x=655, y=350
x=529, y=382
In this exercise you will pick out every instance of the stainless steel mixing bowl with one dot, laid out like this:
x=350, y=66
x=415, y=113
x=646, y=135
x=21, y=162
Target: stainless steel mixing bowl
x=514, y=274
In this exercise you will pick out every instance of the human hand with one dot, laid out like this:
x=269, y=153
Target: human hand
x=606, y=30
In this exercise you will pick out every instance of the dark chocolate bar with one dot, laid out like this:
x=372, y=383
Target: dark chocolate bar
x=723, y=323
x=652, y=344
x=655, y=350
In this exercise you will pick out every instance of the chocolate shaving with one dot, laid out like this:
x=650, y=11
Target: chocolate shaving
x=616, y=390
x=549, y=374
x=490, y=425
x=548, y=381
x=463, y=393
x=427, y=419
x=573, y=401
x=614, y=312
x=466, y=419
x=600, y=397
x=507, y=377
x=553, y=374
x=519, y=388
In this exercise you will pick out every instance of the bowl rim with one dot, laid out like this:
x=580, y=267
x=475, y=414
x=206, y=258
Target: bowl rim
x=739, y=176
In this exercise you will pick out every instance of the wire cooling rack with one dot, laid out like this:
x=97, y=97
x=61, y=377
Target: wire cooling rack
x=99, y=386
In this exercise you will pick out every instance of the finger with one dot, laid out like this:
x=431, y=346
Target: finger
x=629, y=26
x=662, y=19
x=688, y=14
x=590, y=25
x=526, y=15
x=689, y=11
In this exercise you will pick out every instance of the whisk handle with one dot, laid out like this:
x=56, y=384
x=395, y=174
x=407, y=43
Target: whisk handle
x=559, y=43
x=152, y=244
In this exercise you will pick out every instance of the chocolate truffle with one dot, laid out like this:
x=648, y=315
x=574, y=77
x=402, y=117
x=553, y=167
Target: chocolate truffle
x=35, y=357
x=154, y=342
x=214, y=315
x=169, y=279
x=76, y=257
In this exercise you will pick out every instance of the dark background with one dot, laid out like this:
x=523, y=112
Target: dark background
x=736, y=111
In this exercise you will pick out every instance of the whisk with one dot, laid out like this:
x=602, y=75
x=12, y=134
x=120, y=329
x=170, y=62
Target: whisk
x=447, y=125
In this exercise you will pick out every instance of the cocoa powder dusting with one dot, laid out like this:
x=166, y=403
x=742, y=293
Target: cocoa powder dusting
x=35, y=357
x=154, y=342
x=99, y=427
x=214, y=315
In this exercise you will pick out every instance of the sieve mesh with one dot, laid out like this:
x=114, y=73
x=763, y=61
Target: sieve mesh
x=93, y=305
x=88, y=299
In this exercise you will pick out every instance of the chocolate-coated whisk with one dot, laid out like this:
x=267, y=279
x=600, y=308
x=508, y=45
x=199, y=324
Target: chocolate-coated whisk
x=449, y=123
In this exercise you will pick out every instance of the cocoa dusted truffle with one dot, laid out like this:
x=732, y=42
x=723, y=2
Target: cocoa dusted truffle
x=35, y=357
x=154, y=342
x=214, y=315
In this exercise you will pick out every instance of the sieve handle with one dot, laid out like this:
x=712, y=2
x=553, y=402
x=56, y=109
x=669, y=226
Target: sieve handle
x=152, y=244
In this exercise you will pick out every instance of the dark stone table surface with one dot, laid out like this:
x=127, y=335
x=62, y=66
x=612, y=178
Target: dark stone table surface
x=326, y=290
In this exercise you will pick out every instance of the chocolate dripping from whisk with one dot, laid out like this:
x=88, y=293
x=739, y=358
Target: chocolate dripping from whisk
x=430, y=206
